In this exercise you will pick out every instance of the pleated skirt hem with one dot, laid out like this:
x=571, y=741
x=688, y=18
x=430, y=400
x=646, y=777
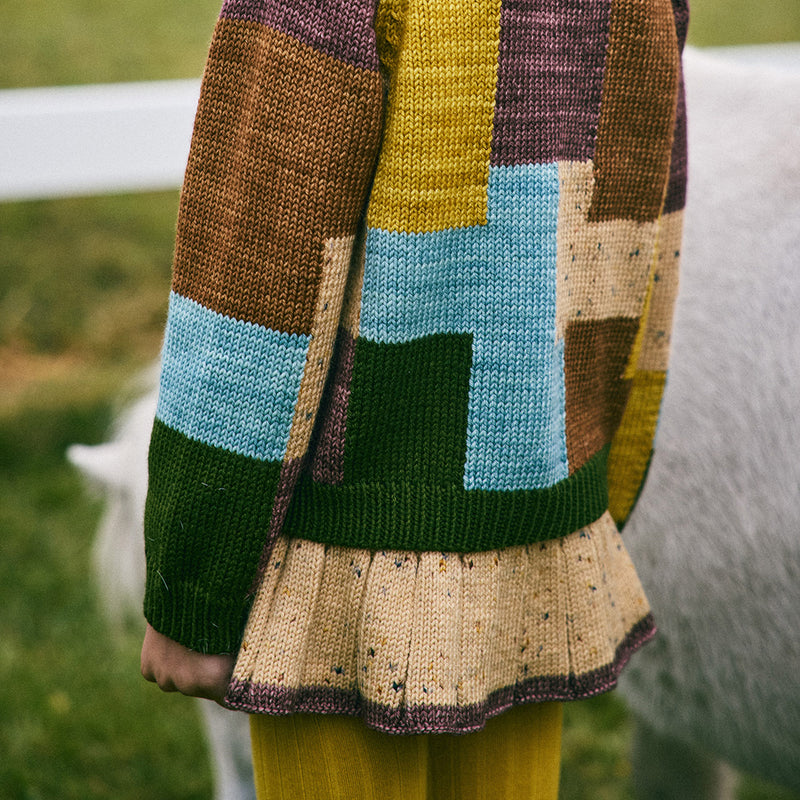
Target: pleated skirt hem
x=423, y=642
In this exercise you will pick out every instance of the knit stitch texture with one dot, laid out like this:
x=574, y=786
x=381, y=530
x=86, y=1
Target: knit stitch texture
x=425, y=268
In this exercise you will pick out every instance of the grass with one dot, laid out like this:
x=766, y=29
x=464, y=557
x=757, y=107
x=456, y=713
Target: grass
x=83, y=286
x=78, y=722
x=102, y=41
x=83, y=293
x=733, y=22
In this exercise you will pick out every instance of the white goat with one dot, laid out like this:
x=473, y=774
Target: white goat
x=119, y=466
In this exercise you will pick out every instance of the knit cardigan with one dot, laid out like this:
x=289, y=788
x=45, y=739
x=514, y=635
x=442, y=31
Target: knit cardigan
x=423, y=284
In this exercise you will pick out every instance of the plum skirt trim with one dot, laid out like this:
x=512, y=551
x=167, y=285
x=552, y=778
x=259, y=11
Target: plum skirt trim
x=439, y=642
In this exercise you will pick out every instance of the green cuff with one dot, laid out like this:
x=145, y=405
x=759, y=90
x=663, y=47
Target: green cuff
x=206, y=523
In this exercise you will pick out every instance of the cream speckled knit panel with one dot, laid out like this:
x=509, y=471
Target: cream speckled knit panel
x=439, y=641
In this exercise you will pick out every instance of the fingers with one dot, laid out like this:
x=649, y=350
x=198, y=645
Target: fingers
x=175, y=668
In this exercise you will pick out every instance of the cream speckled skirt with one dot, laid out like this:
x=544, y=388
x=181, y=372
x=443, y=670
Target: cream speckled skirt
x=439, y=642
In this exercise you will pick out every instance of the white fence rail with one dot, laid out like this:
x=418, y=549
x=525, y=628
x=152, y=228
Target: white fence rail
x=94, y=139
x=135, y=137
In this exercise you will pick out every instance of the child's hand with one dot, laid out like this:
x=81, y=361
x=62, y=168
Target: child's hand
x=175, y=668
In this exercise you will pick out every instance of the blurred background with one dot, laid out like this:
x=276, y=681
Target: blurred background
x=83, y=291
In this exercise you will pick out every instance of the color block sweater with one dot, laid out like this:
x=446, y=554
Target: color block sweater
x=423, y=284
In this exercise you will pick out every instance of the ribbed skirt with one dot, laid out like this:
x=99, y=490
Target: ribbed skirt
x=439, y=642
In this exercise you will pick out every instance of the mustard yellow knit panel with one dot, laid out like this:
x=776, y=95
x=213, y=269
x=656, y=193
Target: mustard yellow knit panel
x=633, y=442
x=434, y=166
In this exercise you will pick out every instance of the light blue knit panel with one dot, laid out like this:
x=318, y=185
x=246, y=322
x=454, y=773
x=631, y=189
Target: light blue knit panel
x=497, y=282
x=229, y=383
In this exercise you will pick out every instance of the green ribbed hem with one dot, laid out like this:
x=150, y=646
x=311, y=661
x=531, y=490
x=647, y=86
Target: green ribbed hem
x=208, y=513
x=411, y=516
x=183, y=612
x=206, y=522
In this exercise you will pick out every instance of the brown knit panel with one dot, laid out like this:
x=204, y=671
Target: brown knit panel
x=637, y=112
x=595, y=355
x=283, y=150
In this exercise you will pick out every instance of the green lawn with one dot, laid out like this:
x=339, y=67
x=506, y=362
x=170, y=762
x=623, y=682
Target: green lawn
x=100, y=41
x=723, y=22
x=83, y=286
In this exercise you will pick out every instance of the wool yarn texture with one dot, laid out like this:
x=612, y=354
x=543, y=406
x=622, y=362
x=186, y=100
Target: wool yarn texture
x=418, y=333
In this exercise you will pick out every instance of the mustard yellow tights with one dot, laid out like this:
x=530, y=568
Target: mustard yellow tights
x=329, y=757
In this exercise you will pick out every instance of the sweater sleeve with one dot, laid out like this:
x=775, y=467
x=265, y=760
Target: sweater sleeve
x=285, y=139
x=632, y=445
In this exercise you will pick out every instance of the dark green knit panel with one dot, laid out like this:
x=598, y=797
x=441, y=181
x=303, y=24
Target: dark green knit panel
x=407, y=415
x=206, y=521
x=414, y=516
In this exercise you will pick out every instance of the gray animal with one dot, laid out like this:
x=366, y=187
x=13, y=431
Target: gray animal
x=716, y=534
